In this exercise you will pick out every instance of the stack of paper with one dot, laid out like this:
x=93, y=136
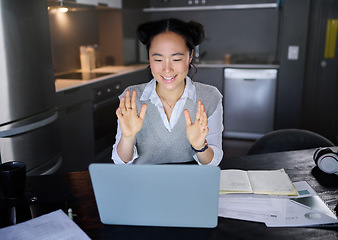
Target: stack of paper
x=251, y=207
x=306, y=209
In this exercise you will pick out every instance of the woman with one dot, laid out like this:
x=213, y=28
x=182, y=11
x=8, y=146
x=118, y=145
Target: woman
x=170, y=119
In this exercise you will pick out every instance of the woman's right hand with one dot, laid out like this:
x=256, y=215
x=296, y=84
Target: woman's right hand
x=130, y=122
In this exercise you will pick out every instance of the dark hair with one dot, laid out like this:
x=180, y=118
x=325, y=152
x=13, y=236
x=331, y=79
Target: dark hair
x=192, y=32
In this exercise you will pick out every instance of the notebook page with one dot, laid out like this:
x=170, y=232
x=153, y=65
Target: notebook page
x=234, y=181
x=271, y=182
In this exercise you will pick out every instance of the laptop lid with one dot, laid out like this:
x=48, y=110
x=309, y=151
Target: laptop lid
x=156, y=195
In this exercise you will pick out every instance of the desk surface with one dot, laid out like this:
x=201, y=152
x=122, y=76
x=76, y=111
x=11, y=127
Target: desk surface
x=75, y=188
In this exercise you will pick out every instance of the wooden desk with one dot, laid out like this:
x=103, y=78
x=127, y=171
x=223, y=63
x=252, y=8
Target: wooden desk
x=75, y=189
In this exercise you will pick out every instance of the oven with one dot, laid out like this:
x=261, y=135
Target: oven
x=105, y=103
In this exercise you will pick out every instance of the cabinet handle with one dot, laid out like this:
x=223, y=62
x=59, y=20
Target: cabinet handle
x=249, y=79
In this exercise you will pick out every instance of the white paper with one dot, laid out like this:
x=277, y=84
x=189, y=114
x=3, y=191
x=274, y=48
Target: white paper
x=298, y=216
x=252, y=207
x=306, y=209
x=53, y=226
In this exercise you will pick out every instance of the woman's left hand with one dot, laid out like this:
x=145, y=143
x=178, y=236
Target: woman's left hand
x=198, y=130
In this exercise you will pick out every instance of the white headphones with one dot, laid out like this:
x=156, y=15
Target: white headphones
x=326, y=160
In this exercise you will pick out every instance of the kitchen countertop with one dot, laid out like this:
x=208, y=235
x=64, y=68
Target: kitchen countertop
x=221, y=64
x=65, y=84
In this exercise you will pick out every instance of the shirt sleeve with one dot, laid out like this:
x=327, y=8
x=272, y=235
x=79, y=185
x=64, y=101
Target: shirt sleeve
x=214, y=137
x=115, y=156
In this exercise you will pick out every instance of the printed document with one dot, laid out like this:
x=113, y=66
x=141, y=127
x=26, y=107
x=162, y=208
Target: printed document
x=305, y=209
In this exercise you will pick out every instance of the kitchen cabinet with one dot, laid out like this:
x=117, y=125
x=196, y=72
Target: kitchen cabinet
x=77, y=137
x=109, y=3
x=76, y=129
x=112, y=3
x=209, y=75
x=87, y=119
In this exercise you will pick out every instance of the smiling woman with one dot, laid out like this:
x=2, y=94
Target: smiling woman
x=170, y=119
x=169, y=62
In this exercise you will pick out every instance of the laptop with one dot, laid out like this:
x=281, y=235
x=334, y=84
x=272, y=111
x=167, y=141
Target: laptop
x=156, y=195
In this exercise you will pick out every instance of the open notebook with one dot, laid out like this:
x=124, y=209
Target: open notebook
x=156, y=195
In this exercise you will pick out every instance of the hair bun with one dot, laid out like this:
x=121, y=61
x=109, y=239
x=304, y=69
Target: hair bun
x=197, y=32
x=193, y=32
x=143, y=31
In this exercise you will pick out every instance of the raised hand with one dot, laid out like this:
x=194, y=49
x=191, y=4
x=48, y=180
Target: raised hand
x=198, y=130
x=130, y=122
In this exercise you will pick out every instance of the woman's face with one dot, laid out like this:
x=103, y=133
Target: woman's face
x=169, y=60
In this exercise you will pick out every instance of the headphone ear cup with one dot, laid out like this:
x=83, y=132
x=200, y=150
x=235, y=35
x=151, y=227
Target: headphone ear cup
x=320, y=152
x=326, y=160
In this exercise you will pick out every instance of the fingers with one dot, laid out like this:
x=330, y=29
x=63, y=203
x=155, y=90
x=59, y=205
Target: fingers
x=133, y=100
x=122, y=103
x=127, y=100
x=201, y=115
x=198, y=112
x=128, y=104
x=118, y=113
x=198, y=130
x=187, y=117
x=143, y=111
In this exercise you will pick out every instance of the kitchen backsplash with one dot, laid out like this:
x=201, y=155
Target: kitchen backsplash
x=71, y=30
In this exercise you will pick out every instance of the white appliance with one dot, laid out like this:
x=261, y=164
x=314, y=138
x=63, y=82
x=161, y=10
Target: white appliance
x=249, y=102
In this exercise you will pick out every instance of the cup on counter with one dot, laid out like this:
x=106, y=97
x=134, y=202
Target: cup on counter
x=88, y=57
x=85, y=59
x=227, y=58
x=12, y=179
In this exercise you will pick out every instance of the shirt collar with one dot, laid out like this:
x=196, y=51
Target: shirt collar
x=149, y=92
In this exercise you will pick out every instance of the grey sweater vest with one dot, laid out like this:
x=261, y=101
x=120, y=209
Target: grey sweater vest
x=155, y=144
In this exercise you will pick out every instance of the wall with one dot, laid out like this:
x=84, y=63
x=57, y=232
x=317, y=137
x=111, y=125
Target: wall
x=132, y=16
x=72, y=29
x=247, y=34
x=320, y=98
x=294, y=26
x=68, y=32
x=111, y=37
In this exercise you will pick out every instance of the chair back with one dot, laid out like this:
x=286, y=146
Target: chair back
x=288, y=140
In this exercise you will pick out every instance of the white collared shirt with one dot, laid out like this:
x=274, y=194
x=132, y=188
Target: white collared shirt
x=215, y=121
